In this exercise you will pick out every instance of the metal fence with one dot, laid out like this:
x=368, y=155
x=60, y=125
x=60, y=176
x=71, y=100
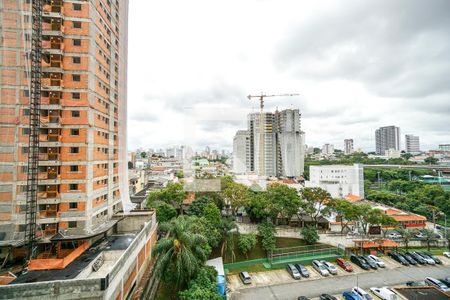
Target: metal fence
x=303, y=253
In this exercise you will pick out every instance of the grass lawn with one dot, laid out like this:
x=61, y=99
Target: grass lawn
x=256, y=253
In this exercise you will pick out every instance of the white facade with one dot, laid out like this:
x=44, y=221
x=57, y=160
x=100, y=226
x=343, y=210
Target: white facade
x=338, y=180
x=348, y=146
x=327, y=149
x=412, y=144
x=241, y=149
x=393, y=153
x=290, y=144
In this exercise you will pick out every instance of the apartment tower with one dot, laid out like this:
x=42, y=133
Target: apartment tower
x=348, y=146
x=412, y=143
x=82, y=141
x=386, y=138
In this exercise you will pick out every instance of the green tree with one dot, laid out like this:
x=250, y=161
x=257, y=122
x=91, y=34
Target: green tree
x=430, y=160
x=257, y=208
x=208, y=230
x=282, y=200
x=407, y=235
x=198, y=205
x=246, y=243
x=212, y=214
x=203, y=286
x=314, y=203
x=227, y=228
x=267, y=232
x=346, y=210
x=428, y=236
x=310, y=235
x=172, y=194
x=165, y=212
x=180, y=252
x=368, y=215
x=179, y=174
x=236, y=195
x=406, y=156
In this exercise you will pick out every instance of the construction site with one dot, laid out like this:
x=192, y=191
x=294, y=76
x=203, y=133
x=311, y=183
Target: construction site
x=65, y=213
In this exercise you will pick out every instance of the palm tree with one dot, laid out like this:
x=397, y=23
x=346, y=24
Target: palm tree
x=227, y=228
x=180, y=252
x=407, y=235
x=429, y=236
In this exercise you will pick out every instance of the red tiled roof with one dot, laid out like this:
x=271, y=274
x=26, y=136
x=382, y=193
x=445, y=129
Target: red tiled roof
x=353, y=198
x=190, y=197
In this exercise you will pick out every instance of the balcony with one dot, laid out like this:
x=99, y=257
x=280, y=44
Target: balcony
x=53, y=9
x=49, y=156
x=48, y=194
x=50, y=121
x=54, y=45
x=53, y=84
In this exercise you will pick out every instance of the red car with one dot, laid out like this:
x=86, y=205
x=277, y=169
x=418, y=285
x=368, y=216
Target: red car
x=344, y=264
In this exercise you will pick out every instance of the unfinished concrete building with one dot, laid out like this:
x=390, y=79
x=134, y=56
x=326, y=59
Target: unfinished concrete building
x=82, y=137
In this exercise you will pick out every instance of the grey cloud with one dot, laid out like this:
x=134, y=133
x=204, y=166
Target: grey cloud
x=396, y=48
x=217, y=93
x=143, y=116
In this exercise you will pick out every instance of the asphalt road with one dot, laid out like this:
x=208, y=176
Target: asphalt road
x=337, y=285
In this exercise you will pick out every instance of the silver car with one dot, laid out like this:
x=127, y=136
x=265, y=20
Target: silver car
x=437, y=284
x=319, y=267
x=330, y=267
x=376, y=260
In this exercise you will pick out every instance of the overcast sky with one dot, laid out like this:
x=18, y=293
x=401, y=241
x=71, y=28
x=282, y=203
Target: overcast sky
x=357, y=65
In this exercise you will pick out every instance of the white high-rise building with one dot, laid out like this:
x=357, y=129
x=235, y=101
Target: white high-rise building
x=327, y=149
x=241, y=152
x=386, y=138
x=290, y=143
x=412, y=143
x=274, y=146
x=348, y=146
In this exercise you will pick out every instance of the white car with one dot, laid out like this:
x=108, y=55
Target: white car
x=446, y=254
x=330, y=267
x=384, y=293
x=376, y=260
x=362, y=293
x=319, y=267
x=394, y=235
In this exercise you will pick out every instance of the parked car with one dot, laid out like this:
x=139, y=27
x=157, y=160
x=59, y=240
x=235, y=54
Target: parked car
x=359, y=262
x=293, y=271
x=436, y=260
x=362, y=293
x=330, y=267
x=420, y=235
x=446, y=281
x=245, y=277
x=327, y=297
x=302, y=270
x=428, y=259
x=351, y=296
x=319, y=267
x=446, y=254
x=344, y=264
x=384, y=293
x=409, y=258
x=377, y=260
x=415, y=283
x=437, y=284
x=302, y=298
x=368, y=261
x=399, y=258
x=394, y=235
x=417, y=257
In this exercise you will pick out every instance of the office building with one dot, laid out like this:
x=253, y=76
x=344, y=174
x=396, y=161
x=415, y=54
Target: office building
x=338, y=180
x=82, y=136
x=387, y=138
x=412, y=143
x=348, y=146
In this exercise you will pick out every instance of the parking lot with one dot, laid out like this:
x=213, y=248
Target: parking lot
x=273, y=279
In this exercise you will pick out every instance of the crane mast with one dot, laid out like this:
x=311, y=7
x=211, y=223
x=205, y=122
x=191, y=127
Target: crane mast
x=33, y=143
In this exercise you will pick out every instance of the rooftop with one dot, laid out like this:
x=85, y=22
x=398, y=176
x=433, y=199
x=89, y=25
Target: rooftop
x=421, y=293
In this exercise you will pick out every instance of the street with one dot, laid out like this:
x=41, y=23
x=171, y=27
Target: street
x=337, y=285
